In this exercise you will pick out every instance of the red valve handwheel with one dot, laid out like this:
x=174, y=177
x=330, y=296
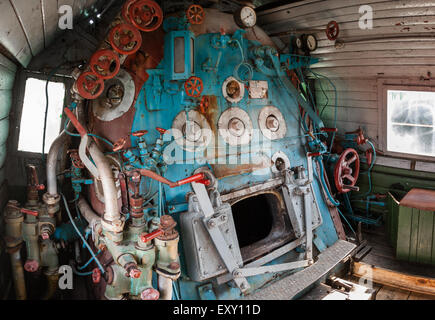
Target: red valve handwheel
x=146, y=15
x=343, y=171
x=89, y=85
x=203, y=106
x=126, y=9
x=125, y=39
x=195, y=14
x=105, y=64
x=193, y=87
x=332, y=30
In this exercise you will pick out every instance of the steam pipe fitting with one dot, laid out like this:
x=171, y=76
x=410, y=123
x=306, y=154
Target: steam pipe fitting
x=112, y=220
x=87, y=212
x=13, y=237
x=13, y=220
x=18, y=275
x=165, y=287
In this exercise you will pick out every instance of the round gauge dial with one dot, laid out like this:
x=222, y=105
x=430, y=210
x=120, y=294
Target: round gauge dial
x=245, y=17
x=298, y=43
x=311, y=42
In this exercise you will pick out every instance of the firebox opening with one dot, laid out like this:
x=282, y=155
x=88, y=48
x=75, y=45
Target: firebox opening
x=253, y=218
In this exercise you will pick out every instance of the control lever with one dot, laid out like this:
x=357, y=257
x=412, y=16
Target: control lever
x=198, y=178
x=25, y=211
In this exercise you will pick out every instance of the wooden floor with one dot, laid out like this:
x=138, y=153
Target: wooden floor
x=382, y=255
x=389, y=293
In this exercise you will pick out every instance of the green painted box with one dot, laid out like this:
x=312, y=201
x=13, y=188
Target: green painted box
x=411, y=226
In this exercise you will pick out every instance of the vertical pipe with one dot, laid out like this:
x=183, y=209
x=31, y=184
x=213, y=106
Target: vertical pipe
x=18, y=275
x=165, y=288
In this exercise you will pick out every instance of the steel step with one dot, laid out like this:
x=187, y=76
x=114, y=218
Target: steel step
x=293, y=285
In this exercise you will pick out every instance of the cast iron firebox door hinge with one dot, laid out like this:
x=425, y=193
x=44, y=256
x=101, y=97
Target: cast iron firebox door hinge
x=212, y=226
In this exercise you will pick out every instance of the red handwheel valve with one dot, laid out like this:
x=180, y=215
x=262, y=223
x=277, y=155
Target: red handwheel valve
x=345, y=177
x=89, y=85
x=125, y=39
x=332, y=30
x=146, y=15
x=195, y=14
x=105, y=64
x=193, y=87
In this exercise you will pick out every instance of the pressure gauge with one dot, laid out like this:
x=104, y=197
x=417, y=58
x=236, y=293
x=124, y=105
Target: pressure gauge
x=298, y=43
x=310, y=42
x=245, y=17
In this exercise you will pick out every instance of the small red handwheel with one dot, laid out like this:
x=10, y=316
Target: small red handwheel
x=193, y=87
x=89, y=85
x=332, y=30
x=125, y=10
x=203, y=106
x=146, y=15
x=344, y=176
x=195, y=14
x=105, y=64
x=125, y=39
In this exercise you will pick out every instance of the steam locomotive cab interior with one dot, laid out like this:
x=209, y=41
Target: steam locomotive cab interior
x=192, y=161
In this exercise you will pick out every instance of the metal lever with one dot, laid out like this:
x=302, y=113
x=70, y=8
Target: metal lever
x=216, y=236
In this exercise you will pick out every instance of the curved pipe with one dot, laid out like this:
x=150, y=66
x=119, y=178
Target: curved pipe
x=107, y=182
x=86, y=211
x=105, y=172
x=53, y=153
x=52, y=157
x=165, y=288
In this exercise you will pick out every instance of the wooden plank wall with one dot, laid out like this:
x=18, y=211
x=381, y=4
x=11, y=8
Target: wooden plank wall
x=401, y=44
x=29, y=26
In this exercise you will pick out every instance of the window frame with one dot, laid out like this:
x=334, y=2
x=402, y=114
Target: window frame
x=403, y=85
x=22, y=77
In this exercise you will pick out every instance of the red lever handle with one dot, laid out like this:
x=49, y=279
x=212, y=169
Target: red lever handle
x=40, y=187
x=161, y=130
x=139, y=133
x=150, y=236
x=31, y=212
x=329, y=129
x=314, y=154
x=195, y=178
x=199, y=178
x=80, y=129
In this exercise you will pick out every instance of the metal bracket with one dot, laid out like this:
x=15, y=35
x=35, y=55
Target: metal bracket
x=212, y=226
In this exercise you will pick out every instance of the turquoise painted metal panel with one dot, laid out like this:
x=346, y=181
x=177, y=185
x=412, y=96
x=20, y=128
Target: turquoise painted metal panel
x=162, y=98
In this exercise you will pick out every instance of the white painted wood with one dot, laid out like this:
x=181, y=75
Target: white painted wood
x=51, y=20
x=12, y=36
x=393, y=162
x=425, y=166
x=30, y=16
